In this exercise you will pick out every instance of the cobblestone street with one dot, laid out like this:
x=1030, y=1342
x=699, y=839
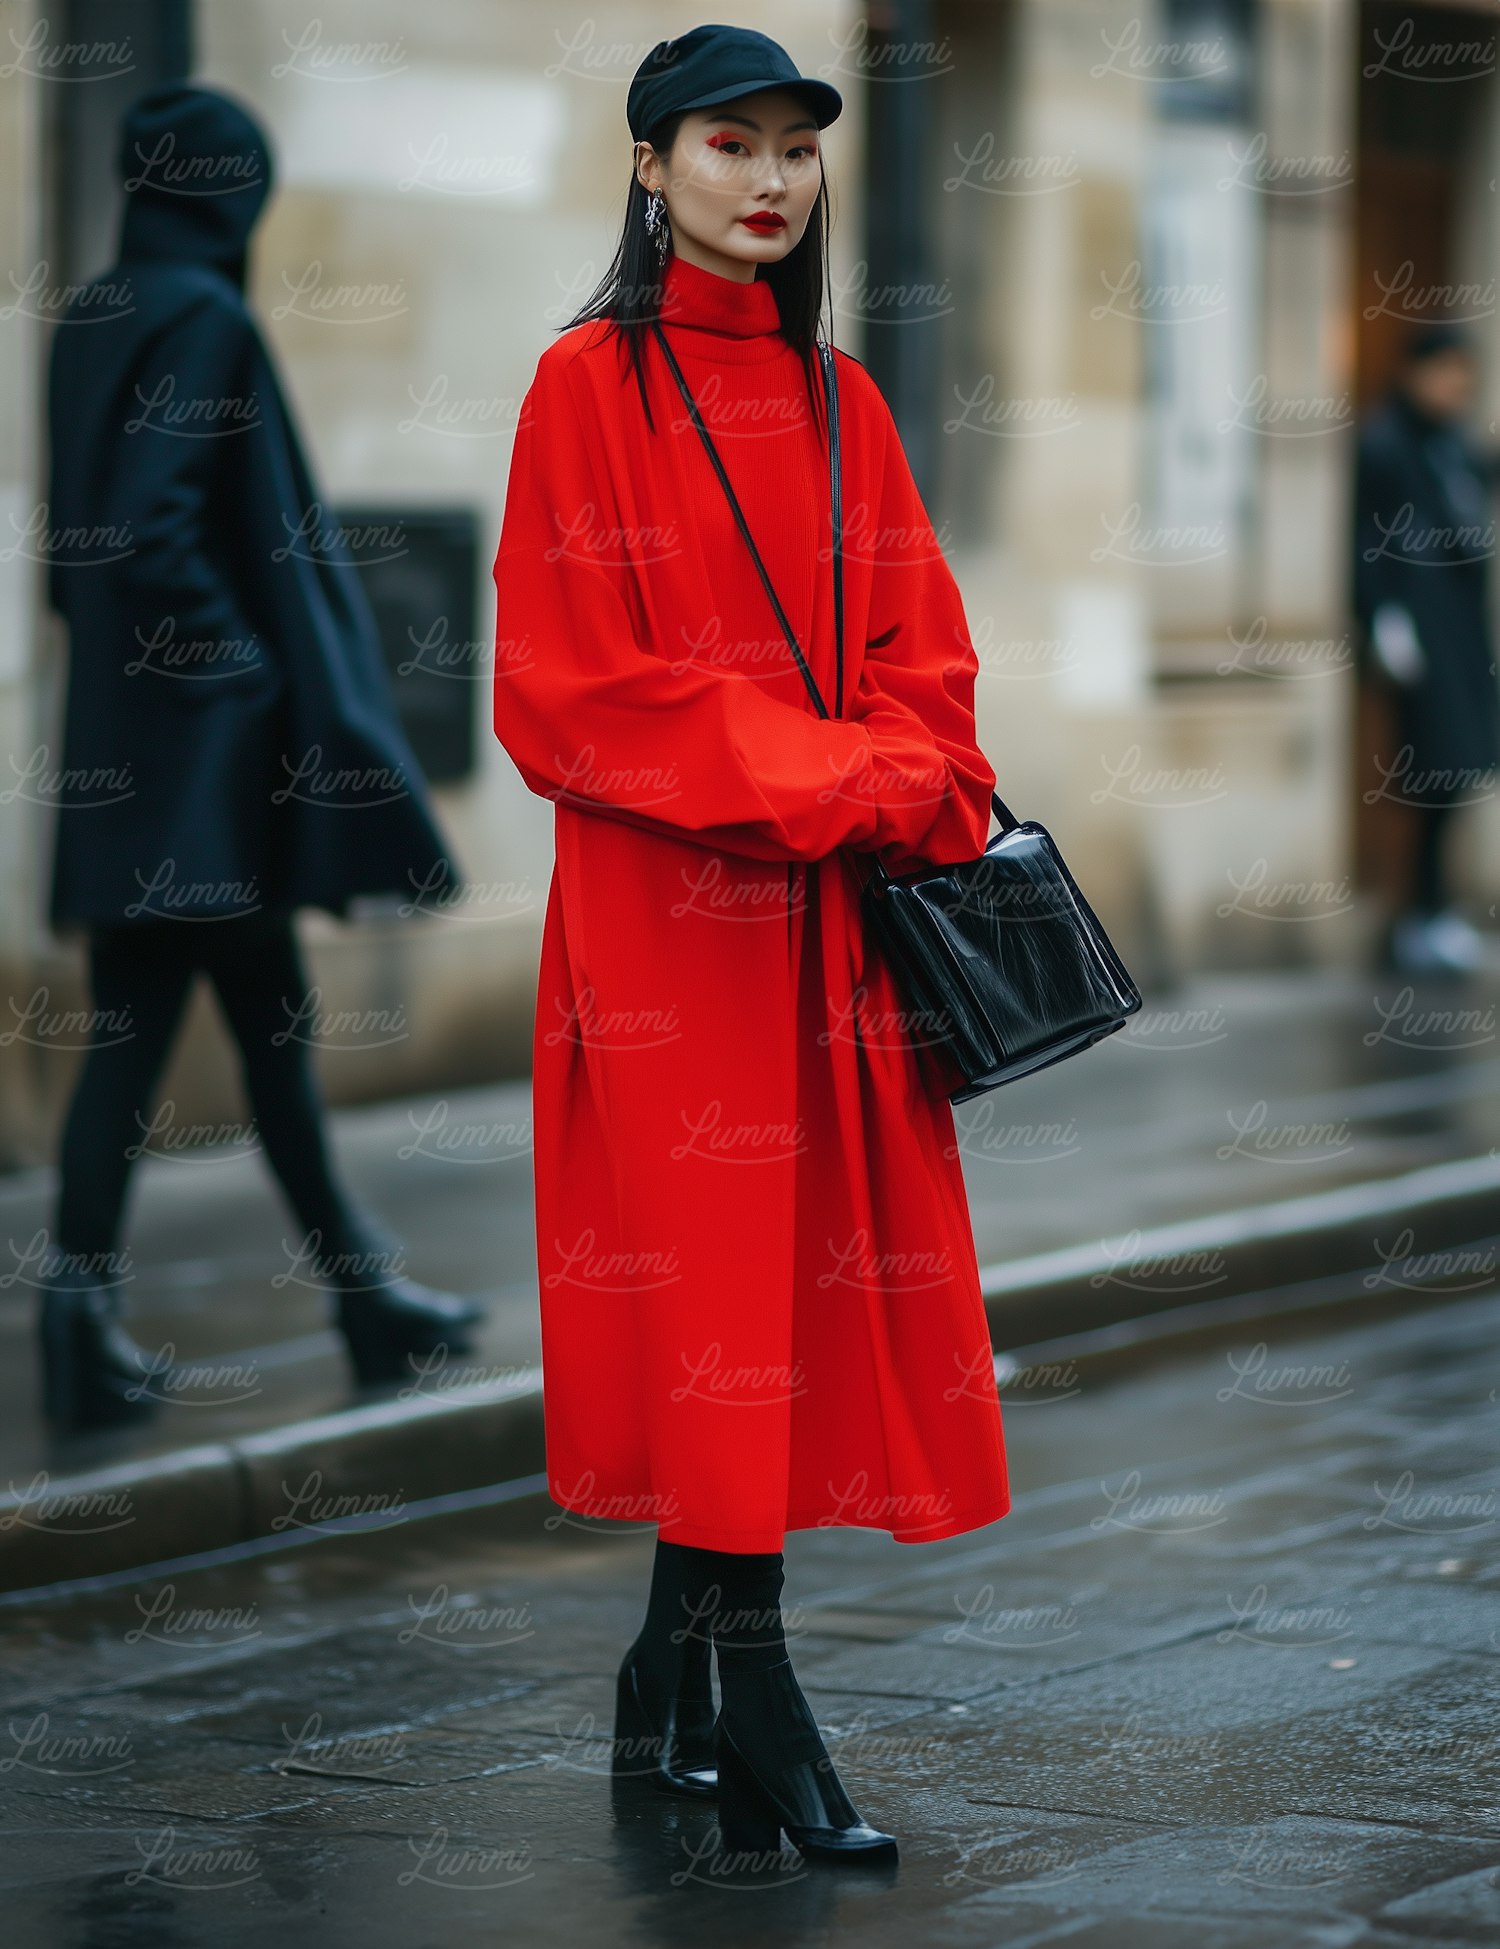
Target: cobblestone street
x=1228, y=1675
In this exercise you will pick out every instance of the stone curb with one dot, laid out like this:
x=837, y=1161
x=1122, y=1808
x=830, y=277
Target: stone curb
x=1369, y=1227
x=363, y=1465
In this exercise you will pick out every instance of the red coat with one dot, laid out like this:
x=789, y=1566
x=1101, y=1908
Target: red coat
x=760, y=1305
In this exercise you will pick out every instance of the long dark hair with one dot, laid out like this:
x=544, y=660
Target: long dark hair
x=629, y=294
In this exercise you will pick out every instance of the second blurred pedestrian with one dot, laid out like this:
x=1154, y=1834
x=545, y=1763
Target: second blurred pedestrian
x=1424, y=541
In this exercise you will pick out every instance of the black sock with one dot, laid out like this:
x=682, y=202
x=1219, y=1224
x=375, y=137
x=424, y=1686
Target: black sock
x=738, y=1598
x=739, y=1594
x=672, y=1647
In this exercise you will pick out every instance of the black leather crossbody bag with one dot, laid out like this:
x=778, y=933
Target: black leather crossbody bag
x=1003, y=959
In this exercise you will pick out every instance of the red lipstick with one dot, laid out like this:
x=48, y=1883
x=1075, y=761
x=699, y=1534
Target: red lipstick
x=766, y=220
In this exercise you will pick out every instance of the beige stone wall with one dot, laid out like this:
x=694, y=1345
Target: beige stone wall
x=1128, y=698
x=451, y=184
x=1261, y=874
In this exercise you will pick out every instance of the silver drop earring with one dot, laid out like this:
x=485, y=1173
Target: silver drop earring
x=657, y=225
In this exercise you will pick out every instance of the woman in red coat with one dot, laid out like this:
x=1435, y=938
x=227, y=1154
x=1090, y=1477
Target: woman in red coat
x=760, y=1303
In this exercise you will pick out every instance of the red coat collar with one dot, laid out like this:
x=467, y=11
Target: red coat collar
x=693, y=296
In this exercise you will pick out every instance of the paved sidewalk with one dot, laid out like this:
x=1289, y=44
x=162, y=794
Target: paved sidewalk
x=1226, y=1677
x=1342, y=1095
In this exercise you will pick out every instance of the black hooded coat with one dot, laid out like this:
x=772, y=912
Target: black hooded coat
x=230, y=738
x=1425, y=539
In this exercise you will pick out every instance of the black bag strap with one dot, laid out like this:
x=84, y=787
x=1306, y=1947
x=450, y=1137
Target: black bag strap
x=836, y=504
x=838, y=576
x=1007, y=818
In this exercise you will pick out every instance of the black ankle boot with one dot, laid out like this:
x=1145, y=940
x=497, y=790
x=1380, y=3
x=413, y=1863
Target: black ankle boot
x=388, y=1320
x=93, y=1373
x=664, y=1703
x=666, y=1739
x=775, y=1772
x=388, y=1327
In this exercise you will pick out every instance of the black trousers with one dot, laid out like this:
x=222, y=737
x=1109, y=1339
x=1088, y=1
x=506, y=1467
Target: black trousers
x=141, y=975
x=1429, y=869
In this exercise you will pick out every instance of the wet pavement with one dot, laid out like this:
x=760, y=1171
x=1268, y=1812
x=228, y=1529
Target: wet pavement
x=1231, y=1091
x=1226, y=1676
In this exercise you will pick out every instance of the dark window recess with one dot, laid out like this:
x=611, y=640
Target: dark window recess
x=1208, y=61
x=418, y=569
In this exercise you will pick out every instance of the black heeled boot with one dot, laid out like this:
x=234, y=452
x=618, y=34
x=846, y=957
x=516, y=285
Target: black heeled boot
x=664, y=1708
x=387, y=1321
x=774, y=1770
x=93, y=1373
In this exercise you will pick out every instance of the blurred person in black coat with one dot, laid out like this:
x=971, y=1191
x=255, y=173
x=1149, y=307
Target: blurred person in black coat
x=1424, y=542
x=231, y=746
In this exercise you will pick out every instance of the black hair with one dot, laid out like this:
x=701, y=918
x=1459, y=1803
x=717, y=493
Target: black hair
x=629, y=294
x=1431, y=341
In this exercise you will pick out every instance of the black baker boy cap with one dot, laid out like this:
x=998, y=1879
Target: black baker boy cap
x=1430, y=341
x=714, y=64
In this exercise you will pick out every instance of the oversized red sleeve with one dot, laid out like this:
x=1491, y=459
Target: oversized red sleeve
x=915, y=697
x=592, y=719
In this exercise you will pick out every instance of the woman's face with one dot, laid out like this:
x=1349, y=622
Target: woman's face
x=755, y=157
x=1444, y=383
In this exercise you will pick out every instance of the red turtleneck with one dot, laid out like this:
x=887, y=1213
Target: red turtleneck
x=721, y=317
x=737, y=1132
